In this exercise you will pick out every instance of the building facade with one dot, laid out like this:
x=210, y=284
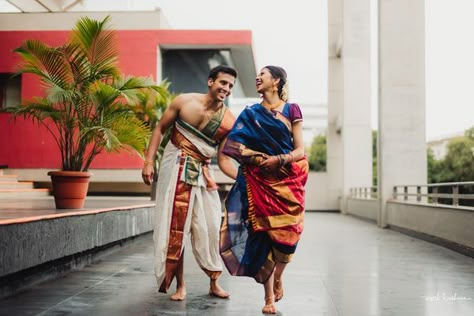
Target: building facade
x=146, y=48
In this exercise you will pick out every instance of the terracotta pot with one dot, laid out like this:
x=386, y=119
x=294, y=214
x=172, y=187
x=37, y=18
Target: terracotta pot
x=69, y=188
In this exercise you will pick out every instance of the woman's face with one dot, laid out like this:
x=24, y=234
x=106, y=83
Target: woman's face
x=265, y=81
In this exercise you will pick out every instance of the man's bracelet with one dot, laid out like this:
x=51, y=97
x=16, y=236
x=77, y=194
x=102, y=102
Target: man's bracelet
x=148, y=162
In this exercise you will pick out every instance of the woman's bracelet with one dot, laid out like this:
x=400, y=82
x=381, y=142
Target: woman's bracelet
x=281, y=161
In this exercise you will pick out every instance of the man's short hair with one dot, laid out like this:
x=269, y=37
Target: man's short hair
x=214, y=72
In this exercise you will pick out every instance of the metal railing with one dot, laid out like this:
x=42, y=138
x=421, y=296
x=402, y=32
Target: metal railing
x=450, y=193
x=366, y=193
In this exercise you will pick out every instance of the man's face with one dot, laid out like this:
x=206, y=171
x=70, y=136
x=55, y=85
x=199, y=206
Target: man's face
x=221, y=87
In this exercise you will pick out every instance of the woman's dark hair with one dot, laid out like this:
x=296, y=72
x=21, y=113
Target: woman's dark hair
x=279, y=73
x=224, y=69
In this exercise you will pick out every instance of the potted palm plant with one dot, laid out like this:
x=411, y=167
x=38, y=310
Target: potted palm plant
x=88, y=103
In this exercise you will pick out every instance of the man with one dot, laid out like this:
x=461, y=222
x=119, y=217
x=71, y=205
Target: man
x=187, y=197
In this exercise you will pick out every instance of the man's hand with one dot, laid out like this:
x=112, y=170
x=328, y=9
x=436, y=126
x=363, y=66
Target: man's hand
x=148, y=173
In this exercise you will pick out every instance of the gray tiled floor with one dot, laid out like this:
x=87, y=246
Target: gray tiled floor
x=343, y=266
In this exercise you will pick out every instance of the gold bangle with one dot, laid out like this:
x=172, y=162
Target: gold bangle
x=148, y=162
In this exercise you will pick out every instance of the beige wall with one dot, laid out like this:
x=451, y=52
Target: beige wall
x=367, y=209
x=451, y=224
x=137, y=20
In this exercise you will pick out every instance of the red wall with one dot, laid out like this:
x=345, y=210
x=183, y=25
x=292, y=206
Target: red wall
x=25, y=145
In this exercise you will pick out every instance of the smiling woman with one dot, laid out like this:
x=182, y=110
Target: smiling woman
x=265, y=207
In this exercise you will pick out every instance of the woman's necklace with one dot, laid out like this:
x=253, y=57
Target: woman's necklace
x=272, y=106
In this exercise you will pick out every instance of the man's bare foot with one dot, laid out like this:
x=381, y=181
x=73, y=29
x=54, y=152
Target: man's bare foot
x=180, y=294
x=217, y=291
x=278, y=289
x=269, y=307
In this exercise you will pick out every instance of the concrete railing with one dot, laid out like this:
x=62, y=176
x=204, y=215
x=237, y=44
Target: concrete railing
x=433, y=212
x=364, y=193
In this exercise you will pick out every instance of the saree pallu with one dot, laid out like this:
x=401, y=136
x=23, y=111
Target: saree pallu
x=187, y=200
x=264, y=211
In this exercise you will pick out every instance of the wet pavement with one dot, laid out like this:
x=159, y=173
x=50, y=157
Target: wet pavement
x=343, y=266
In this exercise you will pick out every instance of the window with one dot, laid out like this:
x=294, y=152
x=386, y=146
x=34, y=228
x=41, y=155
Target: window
x=187, y=69
x=10, y=90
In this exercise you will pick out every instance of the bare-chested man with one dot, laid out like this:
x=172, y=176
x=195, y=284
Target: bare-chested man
x=187, y=197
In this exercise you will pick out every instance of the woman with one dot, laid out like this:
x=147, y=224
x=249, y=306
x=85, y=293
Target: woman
x=265, y=207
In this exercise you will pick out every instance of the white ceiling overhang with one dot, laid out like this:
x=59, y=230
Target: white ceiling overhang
x=30, y=6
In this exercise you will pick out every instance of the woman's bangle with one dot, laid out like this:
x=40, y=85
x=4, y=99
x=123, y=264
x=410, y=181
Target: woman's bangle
x=280, y=161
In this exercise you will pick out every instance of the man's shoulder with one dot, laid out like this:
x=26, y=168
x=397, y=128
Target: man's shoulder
x=186, y=97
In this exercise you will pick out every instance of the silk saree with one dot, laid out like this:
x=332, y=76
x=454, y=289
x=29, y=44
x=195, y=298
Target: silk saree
x=264, y=212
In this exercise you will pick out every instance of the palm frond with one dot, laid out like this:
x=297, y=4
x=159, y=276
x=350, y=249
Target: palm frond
x=132, y=132
x=100, y=43
x=121, y=130
x=44, y=61
x=59, y=95
x=38, y=109
x=78, y=62
x=129, y=83
x=103, y=95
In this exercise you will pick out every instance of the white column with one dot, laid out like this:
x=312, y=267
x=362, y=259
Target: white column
x=401, y=145
x=356, y=126
x=349, y=129
x=335, y=163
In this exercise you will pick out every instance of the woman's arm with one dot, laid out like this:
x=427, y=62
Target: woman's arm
x=273, y=162
x=298, y=144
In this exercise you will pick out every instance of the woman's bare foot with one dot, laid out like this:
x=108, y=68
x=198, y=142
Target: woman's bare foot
x=180, y=294
x=269, y=307
x=217, y=291
x=278, y=289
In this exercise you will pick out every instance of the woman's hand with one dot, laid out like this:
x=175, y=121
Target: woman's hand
x=271, y=163
x=148, y=173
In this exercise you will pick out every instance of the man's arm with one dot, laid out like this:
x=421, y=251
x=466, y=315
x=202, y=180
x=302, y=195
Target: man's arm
x=169, y=117
x=225, y=162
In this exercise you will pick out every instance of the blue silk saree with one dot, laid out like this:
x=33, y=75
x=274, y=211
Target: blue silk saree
x=263, y=211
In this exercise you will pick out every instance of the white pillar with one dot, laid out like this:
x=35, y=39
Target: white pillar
x=335, y=163
x=349, y=130
x=401, y=145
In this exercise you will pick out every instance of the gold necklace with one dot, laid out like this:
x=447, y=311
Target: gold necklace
x=271, y=106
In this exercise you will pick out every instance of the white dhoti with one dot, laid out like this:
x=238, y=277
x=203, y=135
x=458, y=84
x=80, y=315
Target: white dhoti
x=187, y=204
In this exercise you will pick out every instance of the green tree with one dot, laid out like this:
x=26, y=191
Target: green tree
x=458, y=165
x=317, y=154
x=469, y=133
x=374, y=158
x=433, y=167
